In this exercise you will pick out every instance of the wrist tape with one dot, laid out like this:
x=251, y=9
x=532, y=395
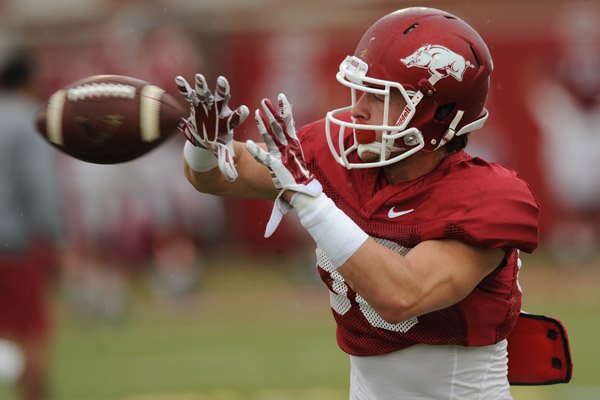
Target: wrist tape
x=334, y=232
x=198, y=158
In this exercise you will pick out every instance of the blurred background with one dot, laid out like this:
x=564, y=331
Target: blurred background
x=133, y=286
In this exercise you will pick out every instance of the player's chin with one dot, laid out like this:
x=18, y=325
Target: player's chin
x=371, y=152
x=368, y=156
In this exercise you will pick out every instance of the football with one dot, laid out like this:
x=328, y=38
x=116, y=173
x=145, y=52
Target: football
x=109, y=119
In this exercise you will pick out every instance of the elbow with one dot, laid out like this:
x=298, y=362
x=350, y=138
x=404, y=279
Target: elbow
x=394, y=311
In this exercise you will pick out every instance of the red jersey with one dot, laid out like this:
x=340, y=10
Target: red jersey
x=465, y=198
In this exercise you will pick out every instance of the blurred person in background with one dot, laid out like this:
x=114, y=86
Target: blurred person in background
x=417, y=241
x=565, y=103
x=30, y=223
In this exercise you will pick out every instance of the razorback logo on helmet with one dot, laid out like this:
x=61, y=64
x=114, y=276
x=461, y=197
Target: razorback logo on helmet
x=439, y=61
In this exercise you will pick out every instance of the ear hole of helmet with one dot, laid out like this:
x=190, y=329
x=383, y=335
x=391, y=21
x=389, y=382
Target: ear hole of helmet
x=442, y=112
x=410, y=29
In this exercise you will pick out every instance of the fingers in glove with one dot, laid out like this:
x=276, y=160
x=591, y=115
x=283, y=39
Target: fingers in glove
x=238, y=116
x=186, y=90
x=188, y=128
x=258, y=153
x=222, y=96
x=226, y=163
x=275, y=123
x=285, y=112
x=266, y=134
x=202, y=91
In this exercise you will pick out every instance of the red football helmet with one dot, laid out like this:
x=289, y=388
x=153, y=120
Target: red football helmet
x=439, y=65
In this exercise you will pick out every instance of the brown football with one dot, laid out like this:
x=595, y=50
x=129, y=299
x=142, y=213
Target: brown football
x=109, y=119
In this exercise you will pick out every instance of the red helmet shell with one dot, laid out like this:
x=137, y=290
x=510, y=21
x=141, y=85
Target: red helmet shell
x=411, y=45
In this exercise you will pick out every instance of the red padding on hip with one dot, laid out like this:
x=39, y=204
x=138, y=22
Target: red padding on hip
x=539, y=351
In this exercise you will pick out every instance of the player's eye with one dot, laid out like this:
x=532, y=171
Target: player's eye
x=379, y=97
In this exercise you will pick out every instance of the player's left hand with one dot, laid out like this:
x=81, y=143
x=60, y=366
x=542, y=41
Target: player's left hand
x=284, y=157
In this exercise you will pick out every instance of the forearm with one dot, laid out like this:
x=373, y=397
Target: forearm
x=378, y=274
x=433, y=275
x=253, y=180
x=388, y=282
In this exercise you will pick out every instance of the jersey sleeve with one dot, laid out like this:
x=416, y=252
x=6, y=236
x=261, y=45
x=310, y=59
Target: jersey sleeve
x=492, y=207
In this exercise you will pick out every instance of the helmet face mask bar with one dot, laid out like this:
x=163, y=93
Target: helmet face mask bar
x=352, y=74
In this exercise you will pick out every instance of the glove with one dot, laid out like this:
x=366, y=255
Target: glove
x=211, y=121
x=284, y=157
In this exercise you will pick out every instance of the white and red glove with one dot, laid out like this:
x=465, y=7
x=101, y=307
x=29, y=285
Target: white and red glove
x=333, y=231
x=210, y=125
x=284, y=158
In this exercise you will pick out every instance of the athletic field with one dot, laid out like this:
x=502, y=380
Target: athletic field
x=264, y=332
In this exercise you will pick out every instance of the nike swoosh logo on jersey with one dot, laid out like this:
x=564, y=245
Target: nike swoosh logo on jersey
x=396, y=214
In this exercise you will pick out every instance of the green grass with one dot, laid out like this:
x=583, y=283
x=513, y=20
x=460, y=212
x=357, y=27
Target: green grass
x=255, y=334
x=148, y=358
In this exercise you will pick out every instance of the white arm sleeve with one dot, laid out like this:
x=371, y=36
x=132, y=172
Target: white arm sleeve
x=334, y=232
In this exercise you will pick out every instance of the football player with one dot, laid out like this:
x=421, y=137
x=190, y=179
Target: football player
x=32, y=231
x=417, y=241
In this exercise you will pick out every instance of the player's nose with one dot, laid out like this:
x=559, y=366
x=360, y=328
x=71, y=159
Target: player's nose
x=360, y=110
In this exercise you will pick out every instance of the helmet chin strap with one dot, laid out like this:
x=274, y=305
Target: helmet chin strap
x=375, y=148
x=470, y=127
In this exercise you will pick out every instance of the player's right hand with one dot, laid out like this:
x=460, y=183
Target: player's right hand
x=284, y=158
x=211, y=121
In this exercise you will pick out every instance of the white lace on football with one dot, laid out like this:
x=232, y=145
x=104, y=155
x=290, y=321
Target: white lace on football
x=341, y=304
x=101, y=90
